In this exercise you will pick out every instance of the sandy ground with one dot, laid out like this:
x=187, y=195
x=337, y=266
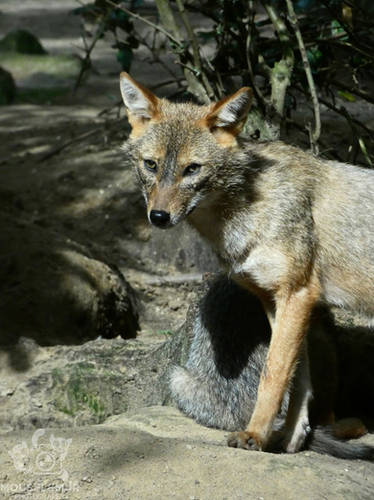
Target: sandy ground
x=87, y=193
x=156, y=454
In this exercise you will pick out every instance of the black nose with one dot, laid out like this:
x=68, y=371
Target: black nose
x=159, y=218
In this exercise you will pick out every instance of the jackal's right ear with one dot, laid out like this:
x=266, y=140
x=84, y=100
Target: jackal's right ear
x=228, y=116
x=141, y=105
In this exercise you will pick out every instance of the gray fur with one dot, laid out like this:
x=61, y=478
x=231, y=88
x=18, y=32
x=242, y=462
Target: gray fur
x=218, y=384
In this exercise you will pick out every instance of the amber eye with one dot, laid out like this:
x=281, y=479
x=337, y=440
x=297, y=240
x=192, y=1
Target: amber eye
x=150, y=165
x=192, y=169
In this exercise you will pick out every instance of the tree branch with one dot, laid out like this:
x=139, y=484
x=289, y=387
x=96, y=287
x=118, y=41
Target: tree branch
x=280, y=74
x=343, y=112
x=308, y=72
x=167, y=19
x=360, y=93
x=262, y=101
x=195, y=48
x=86, y=62
x=144, y=20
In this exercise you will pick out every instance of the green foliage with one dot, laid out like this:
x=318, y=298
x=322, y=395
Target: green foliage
x=114, y=21
x=124, y=56
x=344, y=94
x=328, y=47
x=314, y=56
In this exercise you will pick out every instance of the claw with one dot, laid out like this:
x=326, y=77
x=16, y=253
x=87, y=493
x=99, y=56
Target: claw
x=252, y=445
x=244, y=440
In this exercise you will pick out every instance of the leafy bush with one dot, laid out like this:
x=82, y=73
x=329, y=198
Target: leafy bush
x=315, y=50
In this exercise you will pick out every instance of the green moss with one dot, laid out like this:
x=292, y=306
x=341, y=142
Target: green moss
x=73, y=395
x=164, y=332
x=66, y=410
x=57, y=375
x=84, y=366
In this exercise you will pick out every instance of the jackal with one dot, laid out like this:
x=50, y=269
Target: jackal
x=217, y=386
x=294, y=229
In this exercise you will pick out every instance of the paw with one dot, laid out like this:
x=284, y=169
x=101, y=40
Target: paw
x=244, y=440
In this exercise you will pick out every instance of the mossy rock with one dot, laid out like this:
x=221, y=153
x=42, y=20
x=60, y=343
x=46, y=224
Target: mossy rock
x=7, y=87
x=21, y=41
x=36, y=71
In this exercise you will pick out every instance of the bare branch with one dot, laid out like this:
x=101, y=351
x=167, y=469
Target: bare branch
x=308, y=72
x=351, y=121
x=61, y=147
x=360, y=93
x=326, y=149
x=262, y=101
x=86, y=62
x=144, y=20
x=344, y=113
x=167, y=19
x=280, y=74
x=277, y=22
x=195, y=48
x=157, y=58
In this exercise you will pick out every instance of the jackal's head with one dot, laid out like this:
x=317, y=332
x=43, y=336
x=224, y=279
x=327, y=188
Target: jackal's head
x=181, y=152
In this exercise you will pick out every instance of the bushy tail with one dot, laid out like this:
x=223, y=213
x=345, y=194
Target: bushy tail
x=209, y=404
x=322, y=440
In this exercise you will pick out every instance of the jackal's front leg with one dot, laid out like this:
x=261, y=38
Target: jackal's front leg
x=288, y=331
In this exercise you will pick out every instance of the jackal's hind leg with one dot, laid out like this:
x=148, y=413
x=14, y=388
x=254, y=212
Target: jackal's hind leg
x=297, y=425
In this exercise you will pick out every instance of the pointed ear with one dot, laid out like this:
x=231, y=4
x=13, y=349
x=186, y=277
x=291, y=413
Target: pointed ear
x=228, y=116
x=141, y=105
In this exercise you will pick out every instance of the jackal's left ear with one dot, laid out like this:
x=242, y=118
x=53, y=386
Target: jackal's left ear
x=141, y=105
x=228, y=116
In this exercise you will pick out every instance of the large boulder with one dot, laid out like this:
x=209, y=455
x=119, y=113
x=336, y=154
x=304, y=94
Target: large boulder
x=55, y=291
x=77, y=385
x=21, y=41
x=65, y=385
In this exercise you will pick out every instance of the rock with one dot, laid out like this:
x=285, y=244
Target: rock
x=156, y=453
x=54, y=291
x=77, y=385
x=81, y=384
x=21, y=41
x=74, y=385
x=182, y=247
x=7, y=87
